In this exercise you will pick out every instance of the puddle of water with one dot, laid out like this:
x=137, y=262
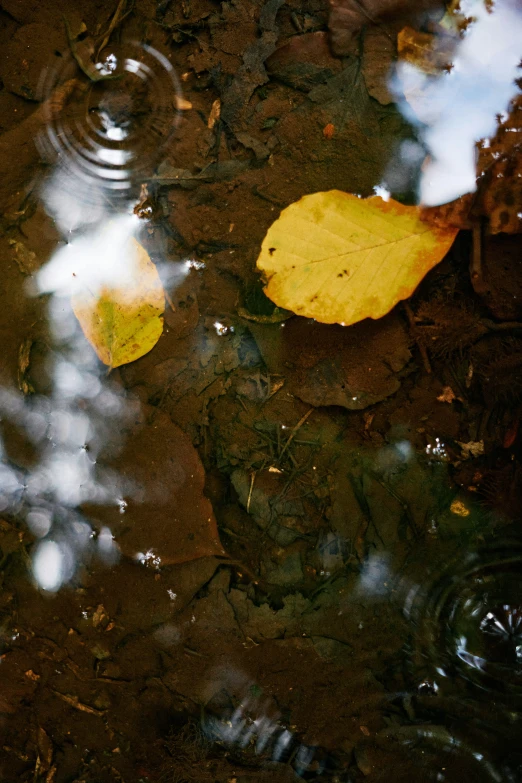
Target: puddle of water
x=381, y=637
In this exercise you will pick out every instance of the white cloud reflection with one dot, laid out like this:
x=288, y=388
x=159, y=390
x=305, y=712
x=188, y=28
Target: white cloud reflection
x=100, y=257
x=84, y=411
x=99, y=160
x=460, y=107
x=82, y=414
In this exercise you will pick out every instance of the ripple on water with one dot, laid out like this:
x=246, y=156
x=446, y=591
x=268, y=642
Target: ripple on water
x=431, y=752
x=468, y=624
x=112, y=131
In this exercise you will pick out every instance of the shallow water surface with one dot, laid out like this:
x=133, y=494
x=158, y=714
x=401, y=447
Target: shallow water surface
x=238, y=543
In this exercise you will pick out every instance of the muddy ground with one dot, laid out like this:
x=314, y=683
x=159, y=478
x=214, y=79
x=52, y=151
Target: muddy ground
x=332, y=470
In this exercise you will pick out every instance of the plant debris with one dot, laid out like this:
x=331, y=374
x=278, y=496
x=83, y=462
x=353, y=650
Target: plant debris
x=276, y=509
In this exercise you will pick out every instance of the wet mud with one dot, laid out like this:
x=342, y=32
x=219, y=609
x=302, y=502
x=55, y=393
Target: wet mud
x=281, y=548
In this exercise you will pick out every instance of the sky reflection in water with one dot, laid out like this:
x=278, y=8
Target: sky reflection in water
x=461, y=107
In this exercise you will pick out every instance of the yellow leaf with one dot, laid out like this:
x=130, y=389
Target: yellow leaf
x=124, y=323
x=432, y=54
x=339, y=259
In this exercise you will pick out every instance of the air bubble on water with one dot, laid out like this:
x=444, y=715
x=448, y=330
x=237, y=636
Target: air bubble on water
x=70, y=383
x=109, y=404
x=405, y=449
x=221, y=329
x=35, y=425
x=382, y=191
x=81, y=533
x=11, y=403
x=149, y=559
x=428, y=687
x=10, y=483
x=108, y=66
x=68, y=428
x=192, y=263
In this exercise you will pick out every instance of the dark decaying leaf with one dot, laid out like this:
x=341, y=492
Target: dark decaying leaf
x=379, y=52
x=252, y=72
x=345, y=98
x=304, y=61
x=167, y=518
x=221, y=171
x=347, y=17
x=499, y=369
x=353, y=367
x=447, y=327
x=502, y=281
x=37, y=41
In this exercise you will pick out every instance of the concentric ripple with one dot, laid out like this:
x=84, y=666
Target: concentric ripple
x=468, y=624
x=110, y=133
x=430, y=752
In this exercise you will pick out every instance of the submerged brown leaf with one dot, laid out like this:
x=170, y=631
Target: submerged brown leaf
x=347, y=17
x=447, y=328
x=304, y=61
x=167, y=518
x=331, y=365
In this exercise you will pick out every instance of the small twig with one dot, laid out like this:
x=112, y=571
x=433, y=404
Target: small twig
x=241, y=402
x=293, y=460
x=261, y=434
x=294, y=432
x=397, y=497
x=417, y=338
x=252, y=479
x=372, y=19
x=475, y=268
x=74, y=702
x=117, y=18
x=271, y=199
x=507, y=326
x=169, y=302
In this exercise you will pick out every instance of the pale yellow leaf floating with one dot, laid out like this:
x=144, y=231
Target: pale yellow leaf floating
x=339, y=259
x=124, y=322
